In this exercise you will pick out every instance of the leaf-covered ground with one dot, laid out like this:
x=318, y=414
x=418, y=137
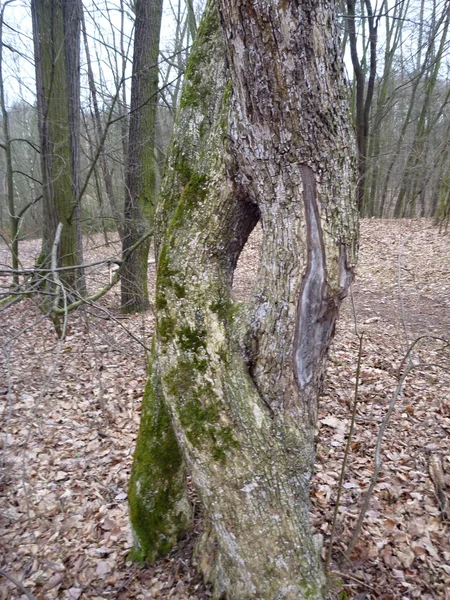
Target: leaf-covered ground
x=70, y=412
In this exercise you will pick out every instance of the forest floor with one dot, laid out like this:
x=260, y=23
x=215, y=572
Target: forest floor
x=70, y=413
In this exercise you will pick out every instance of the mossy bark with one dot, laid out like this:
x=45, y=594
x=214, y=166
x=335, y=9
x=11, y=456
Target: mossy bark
x=141, y=164
x=262, y=133
x=158, y=513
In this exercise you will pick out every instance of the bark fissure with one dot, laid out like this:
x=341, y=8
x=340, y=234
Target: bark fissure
x=315, y=319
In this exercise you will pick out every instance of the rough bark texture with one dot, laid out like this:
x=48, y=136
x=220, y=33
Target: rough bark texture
x=262, y=133
x=56, y=32
x=141, y=172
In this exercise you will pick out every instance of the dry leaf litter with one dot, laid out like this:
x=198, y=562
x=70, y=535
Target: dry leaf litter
x=70, y=413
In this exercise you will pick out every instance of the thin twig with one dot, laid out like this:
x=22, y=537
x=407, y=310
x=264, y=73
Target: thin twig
x=355, y=321
x=346, y=454
x=117, y=321
x=384, y=424
x=54, y=265
x=17, y=584
x=353, y=578
x=400, y=295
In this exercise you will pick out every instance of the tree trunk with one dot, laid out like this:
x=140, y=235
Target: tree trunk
x=141, y=166
x=100, y=134
x=56, y=32
x=363, y=97
x=263, y=132
x=6, y=146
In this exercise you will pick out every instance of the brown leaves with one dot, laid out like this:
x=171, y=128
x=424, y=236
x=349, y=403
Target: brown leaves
x=404, y=546
x=69, y=447
x=69, y=450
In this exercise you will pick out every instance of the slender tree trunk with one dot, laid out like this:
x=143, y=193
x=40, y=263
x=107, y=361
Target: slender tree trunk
x=13, y=218
x=56, y=32
x=192, y=23
x=364, y=94
x=382, y=119
x=141, y=166
x=263, y=132
x=123, y=104
x=415, y=169
x=106, y=172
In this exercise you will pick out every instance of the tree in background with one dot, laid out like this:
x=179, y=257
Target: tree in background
x=263, y=133
x=141, y=162
x=400, y=111
x=56, y=32
x=364, y=87
x=7, y=147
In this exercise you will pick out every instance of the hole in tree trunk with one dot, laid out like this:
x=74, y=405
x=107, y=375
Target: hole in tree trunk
x=247, y=267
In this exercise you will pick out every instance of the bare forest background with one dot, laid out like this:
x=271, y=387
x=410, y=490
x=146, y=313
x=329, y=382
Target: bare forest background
x=398, y=67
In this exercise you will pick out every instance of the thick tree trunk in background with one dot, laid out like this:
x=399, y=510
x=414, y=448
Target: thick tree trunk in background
x=56, y=32
x=141, y=166
x=263, y=132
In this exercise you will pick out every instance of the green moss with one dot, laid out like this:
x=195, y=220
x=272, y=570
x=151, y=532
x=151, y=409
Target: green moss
x=224, y=308
x=166, y=328
x=157, y=481
x=200, y=418
x=224, y=441
x=197, y=418
x=200, y=410
x=224, y=117
x=195, y=93
x=137, y=555
x=182, y=167
x=200, y=364
x=180, y=290
x=164, y=273
x=223, y=354
x=194, y=193
x=160, y=301
x=311, y=590
x=191, y=339
x=165, y=278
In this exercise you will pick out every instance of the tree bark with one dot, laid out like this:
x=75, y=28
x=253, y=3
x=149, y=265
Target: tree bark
x=6, y=146
x=56, y=33
x=263, y=132
x=141, y=166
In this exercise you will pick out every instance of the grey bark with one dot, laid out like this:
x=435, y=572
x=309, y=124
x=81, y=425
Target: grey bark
x=56, y=33
x=7, y=147
x=263, y=132
x=141, y=164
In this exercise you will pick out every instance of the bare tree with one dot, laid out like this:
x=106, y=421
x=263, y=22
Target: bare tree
x=141, y=164
x=100, y=134
x=263, y=132
x=6, y=145
x=56, y=31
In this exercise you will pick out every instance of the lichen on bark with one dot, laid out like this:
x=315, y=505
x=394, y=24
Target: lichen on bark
x=241, y=384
